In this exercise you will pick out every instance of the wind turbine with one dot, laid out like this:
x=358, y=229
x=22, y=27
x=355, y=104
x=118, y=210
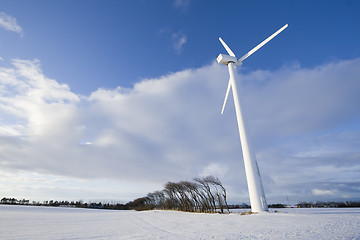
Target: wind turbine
x=255, y=187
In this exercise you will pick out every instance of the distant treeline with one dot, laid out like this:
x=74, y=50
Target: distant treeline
x=205, y=194
x=145, y=204
x=332, y=204
x=77, y=204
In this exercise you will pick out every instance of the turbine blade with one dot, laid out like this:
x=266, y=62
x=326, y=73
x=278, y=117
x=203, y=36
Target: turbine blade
x=262, y=44
x=227, y=48
x=226, y=96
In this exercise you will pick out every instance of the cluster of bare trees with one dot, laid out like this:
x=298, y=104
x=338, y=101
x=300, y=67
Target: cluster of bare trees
x=205, y=194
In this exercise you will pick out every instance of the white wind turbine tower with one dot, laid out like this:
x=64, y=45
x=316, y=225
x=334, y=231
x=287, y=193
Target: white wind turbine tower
x=255, y=187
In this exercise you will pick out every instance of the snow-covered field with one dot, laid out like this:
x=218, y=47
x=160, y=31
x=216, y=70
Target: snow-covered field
x=27, y=222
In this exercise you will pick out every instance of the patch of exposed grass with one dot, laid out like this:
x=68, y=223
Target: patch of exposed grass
x=247, y=213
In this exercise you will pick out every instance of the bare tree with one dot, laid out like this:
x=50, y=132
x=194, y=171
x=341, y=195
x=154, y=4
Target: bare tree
x=216, y=182
x=171, y=191
x=207, y=189
x=191, y=189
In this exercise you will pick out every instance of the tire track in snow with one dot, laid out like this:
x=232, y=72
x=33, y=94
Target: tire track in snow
x=149, y=230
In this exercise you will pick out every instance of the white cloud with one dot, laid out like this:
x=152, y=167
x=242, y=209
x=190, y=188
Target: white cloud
x=9, y=23
x=214, y=169
x=31, y=97
x=296, y=99
x=170, y=129
x=320, y=192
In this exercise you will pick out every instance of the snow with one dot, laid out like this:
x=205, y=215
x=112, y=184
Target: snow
x=28, y=222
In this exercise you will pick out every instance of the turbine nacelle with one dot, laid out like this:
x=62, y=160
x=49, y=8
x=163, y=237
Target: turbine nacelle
x=226, y=59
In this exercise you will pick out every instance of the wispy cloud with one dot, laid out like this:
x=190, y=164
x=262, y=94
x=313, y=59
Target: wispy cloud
x=9, y=23
x=181, y=4
x=179, y=40
x=299, y=119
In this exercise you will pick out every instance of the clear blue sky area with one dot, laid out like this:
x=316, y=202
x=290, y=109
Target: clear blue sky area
x=90, y=44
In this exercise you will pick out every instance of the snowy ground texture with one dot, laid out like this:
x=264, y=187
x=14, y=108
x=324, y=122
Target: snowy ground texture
x=27, y=222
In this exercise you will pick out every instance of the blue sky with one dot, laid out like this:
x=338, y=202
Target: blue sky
x=130, y=40
x=111, y=99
